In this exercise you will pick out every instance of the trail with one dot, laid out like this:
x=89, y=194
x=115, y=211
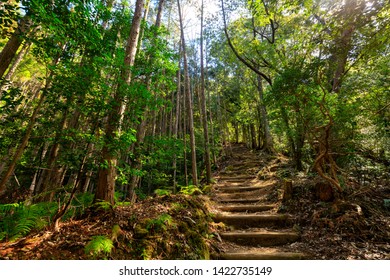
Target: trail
x=249, y=209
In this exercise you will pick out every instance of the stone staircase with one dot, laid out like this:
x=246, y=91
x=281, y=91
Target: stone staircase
x=254, y=228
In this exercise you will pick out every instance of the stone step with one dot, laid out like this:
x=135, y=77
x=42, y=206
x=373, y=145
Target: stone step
x=262, y=254
x=251, y=220
x=246, y=208
x=260, y=238
x=242, y=195
x=236, y=178
x=237, y=189
x=238, y=200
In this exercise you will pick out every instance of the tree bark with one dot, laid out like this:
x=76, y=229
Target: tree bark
x=203, y=105
x=189, y=100
x=268, y=140
x=9, y=51
x=22, y=145
x=141, y=129
x=176, y=124
x=105, y=188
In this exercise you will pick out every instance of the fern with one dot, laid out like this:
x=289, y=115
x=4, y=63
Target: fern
x=17, y=219
x=160, y=222
x=99, y=244
x=190, y=190
x=162, y=192
x=103, y=205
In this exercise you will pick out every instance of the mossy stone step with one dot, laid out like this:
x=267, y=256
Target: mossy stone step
x=246, y=208
x=262, y=238
x=251, y=220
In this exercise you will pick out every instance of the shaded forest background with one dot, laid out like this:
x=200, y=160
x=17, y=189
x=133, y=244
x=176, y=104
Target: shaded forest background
x=111, y=101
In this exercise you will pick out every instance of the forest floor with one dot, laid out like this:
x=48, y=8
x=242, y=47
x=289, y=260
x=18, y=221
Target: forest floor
x=189, y=227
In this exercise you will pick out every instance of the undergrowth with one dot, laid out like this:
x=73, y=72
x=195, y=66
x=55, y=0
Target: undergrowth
x=19, y=219
x=99, y=246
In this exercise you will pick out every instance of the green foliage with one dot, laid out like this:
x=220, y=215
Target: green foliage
x=17, y=219
x=162, y=222
x=190, y=190
x=162, y=192
x=100, y=245
x=79, y=203
x=102, y=205
x=9, y=13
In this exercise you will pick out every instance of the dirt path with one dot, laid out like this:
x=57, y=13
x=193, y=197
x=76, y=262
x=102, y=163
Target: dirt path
x=248, y=207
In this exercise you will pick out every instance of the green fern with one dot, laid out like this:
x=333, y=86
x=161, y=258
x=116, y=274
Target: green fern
x=17, y=219
x=161, y=222
x=162, y=192
x=190, y=190
x=99, y=244
x=104, y=205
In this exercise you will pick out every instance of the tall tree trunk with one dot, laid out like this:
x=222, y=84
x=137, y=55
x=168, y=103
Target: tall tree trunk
x=184, y=133
x=105, y=188
x=176, y=124
x=9, y=51
x=268, y=141
x=189, y=101
x=23, y=143
x=30, y=127
x=203, y=105
x=24, y=50
x=141, y=129
x=53, y=173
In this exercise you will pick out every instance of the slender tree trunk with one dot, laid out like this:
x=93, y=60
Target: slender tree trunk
x=10, y=49
x=50, y=182
x=189, y=100
x=253, y=136
x=176, y=125
x=141, y=129
x=184, y=130
x=15, y=65
x=268, y=141
x=27, y=134
x=203, y=105
x=23, y=144
x=107, y=171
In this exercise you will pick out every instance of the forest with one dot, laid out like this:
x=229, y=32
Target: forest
x=121, y=122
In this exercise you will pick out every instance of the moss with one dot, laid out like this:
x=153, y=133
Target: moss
x=176, y=227
x=140, y=231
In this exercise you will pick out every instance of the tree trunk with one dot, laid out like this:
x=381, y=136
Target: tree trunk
x=9, y=51
x=268, y=141
x=176, y=124
x=15, y=65
x=253, y=136
x=105, y=188
x=203, y=105
x=50, y=182
x=26, y=137
x=22, y=145
x=141, y=129
x=189, y=100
